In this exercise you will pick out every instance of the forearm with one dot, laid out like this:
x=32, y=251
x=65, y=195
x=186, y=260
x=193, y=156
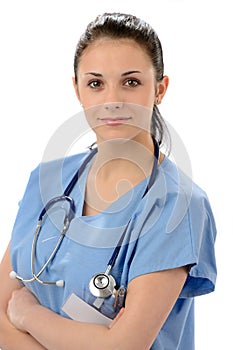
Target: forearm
x=55, y=332
x=13, y=339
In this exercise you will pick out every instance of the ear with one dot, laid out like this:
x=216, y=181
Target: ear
x=161, y=89
x=76, y=88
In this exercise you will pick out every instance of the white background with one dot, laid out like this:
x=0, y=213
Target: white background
x=38, y=40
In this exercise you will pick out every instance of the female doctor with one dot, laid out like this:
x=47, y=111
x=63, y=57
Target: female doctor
x=136, y=242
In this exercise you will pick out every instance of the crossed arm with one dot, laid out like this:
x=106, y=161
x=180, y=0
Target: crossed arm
x=25, y=324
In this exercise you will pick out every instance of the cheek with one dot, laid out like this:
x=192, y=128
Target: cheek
x=146, y=97
x=86, y=97
x=90, y=101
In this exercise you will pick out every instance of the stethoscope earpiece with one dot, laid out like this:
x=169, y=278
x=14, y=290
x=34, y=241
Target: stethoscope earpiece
x=60, y=283
x=13, y=275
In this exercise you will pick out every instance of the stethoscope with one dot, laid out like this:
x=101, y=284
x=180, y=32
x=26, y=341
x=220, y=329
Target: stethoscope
x=103, y=284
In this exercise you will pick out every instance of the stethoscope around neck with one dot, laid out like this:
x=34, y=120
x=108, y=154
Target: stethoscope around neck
x=102, y=284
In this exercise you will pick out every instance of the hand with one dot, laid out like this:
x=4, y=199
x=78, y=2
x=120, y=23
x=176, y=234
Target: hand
x=22, y=300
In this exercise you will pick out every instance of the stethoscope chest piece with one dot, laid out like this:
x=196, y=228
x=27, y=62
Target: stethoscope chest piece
x=102, y=285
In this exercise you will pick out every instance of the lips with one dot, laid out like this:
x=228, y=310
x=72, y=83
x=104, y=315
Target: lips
x=114, y=121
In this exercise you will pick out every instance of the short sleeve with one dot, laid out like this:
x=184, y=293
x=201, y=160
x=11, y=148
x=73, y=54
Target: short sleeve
x=190, y=242
x=202, y=275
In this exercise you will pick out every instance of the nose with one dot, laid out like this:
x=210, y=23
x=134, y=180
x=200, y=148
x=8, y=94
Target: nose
x=113, y=106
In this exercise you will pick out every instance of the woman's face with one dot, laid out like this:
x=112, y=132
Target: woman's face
x=117, y=88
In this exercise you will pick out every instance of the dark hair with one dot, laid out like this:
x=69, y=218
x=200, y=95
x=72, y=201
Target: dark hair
x=119, y=26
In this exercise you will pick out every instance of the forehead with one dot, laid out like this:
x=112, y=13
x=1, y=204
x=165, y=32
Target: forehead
x=115, y=51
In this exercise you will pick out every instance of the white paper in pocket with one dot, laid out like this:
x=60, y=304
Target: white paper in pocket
x=79, y=310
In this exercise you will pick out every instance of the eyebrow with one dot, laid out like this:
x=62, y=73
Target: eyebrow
x=94, y=73
x=123, y=74
x=130, y=72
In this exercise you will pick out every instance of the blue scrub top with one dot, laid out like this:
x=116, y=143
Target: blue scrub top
x=171, y=226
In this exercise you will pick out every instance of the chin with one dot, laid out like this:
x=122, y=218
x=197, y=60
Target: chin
x=121, y=133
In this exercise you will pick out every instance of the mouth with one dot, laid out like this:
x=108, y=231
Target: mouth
x=114, y=121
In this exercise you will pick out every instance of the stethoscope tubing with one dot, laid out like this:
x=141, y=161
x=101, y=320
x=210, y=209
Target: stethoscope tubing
x=68, y=218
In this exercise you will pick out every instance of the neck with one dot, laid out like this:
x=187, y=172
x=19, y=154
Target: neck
x=124, y=157
x=118, y=166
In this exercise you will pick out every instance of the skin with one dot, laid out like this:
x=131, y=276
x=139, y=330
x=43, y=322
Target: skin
x=104, y=80
x=154, y=294
x=111, y=86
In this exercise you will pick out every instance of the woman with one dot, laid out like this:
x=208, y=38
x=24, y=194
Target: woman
x=135, y=216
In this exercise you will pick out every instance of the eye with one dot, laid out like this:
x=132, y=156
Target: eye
x=132, y=82
x=94, y=84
